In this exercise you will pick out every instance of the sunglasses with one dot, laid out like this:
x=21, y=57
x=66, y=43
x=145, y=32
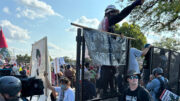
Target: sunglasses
x=113, y=11
x=133, y=77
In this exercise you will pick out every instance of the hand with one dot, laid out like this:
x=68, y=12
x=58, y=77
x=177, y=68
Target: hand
x=150, y=46
x=151, y=77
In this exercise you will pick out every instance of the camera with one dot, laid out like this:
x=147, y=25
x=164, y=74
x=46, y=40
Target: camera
x=30, y=85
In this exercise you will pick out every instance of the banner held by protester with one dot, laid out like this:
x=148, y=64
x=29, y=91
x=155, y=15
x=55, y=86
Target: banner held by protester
x=105, y=49
x=40, y=61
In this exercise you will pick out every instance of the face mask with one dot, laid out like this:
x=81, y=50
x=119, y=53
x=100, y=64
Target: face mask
x=63, y=87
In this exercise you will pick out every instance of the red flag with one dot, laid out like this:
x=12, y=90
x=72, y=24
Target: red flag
x=3, y=43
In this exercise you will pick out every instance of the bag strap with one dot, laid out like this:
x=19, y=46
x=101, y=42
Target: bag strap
x=161, y=81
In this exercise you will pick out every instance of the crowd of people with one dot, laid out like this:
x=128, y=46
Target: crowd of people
x=93, y=84
x=14, y=69
x=129, y=88
x=101, y=81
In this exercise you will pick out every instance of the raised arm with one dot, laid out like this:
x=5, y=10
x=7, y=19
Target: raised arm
x=48, y=83
x=124, y=13
x=144, y=52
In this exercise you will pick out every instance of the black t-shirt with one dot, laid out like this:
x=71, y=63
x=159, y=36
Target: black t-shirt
x=147, y=59
x=140, y=94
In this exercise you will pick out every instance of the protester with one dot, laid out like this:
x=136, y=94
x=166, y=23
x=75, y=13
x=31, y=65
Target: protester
x=74, y=76
x=64, y=91
x=20, y=68
x=6, y=70
x=146, y=66
x=108, y=80
x=28, y=71
x=163, y=59
x=85, y=69
x=2, y=63
x=23, y=72
x=69, y=73
x=154, y=85
x=15, y=70
x=89, y=90
x=10, y=88
x=113, y=16
x=135, y=92
x=92, y=74
x=134, y=53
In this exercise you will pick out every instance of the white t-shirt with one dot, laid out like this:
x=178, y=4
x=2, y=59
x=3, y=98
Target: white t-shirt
x=15, y=70
x=85, y=70
x=68, y=94
x=133, y=63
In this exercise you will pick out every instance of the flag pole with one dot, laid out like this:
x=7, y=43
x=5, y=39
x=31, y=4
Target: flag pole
x=81, y=26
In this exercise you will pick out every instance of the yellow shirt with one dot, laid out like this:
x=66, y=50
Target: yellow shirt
x=20, y=69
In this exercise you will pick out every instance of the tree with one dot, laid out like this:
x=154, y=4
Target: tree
x=157, y=15
x=23, y=59
x=68, y=60
x=88, y=60
x=168, y=43
x=132, y=30
x=51, y=59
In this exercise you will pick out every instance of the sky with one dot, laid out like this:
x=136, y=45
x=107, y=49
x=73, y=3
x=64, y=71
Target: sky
x=26, y=21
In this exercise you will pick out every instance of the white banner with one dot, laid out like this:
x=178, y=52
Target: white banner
x=40, y=61
x=56, y=65
x=61, y=61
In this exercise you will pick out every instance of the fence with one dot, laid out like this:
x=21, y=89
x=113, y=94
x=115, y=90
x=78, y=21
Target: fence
x=120, y=58
x=158, y=57
x=169, y=61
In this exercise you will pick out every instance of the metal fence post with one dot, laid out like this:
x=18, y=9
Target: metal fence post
x=78, y=56
x=179, y=81
x=151, y=59
x=127, y=58
x=83, y=62
x=169, y=63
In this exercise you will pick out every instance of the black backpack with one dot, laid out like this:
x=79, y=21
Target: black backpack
x=163, y=86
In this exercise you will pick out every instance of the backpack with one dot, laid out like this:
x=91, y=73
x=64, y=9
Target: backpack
x=163, y=86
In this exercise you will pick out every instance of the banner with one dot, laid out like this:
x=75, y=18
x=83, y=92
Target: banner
x=104, y=49
x=38, y=58
x=61, y=61
x=40, y=61
x=169, y=96
x=56, y=65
